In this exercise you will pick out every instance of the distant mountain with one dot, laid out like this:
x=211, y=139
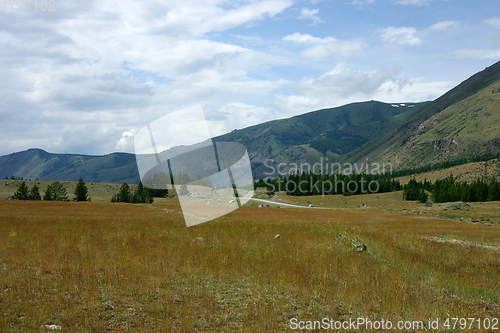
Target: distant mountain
x=38, y=164
x=461, y=124
x=325, y=133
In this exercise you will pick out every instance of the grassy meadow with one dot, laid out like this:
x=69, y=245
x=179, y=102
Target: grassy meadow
x=468, y=172
x=100, y=266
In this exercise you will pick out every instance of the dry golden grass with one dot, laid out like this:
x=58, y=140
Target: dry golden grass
x=462, y=173
x=96, y=266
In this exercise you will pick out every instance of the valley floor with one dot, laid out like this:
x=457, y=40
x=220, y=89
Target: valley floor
x=96, y=266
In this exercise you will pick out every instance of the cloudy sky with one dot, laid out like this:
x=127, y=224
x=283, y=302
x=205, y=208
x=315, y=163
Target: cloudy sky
x=86, y=76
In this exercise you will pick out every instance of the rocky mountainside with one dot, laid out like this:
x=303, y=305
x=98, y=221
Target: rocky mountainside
x=461, y=124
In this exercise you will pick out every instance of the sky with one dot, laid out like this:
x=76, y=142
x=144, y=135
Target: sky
x=84, y=76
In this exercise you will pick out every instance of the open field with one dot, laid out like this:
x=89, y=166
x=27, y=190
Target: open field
x=97, y=266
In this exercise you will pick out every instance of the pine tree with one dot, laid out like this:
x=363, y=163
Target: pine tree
x=483, y=193
x=494, y=193
x=124, y=193
x=411, y=190
x=422, y=197
x=35, y=193
x=144, y=195
x=55, y=192
x=81, y=191
x=48, y=193
x=22, y=192
x=140, y=195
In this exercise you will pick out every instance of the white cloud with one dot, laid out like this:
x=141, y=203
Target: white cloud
x=126, y=142
x=306, y=38
x=221, y=19
x=86, y=76
x=444, y=25
x=82, y=81
x=325, y=47
x=235, y=115
x=344, y=85
x=338, y=49
x=339, y=86
x=494, y=22
x=401, y=35
x=310, y=14
x=416, y=90
x=478, y=54
x=342, y=81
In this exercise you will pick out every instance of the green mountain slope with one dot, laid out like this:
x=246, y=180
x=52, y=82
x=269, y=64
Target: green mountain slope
x=38, y=164
x=306, y=138
x=326, y=133
x=464, y=122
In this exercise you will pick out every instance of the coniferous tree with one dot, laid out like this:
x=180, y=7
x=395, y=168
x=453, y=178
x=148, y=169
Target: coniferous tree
x=22, y=192
x=411, y=190
x=142, y=195
x=422, y=197
x=124, y=193
x=59, y=192
x=81, y=191
x=35, y=193
x=55, y=192
x=483, y=194
x=464, y=195
x=48, y=193
x=494, y=193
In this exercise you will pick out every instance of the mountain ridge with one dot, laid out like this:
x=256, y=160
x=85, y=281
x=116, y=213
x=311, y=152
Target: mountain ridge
x=464, y=121
x=36, y=163
x=385, y=148
x=306, y=137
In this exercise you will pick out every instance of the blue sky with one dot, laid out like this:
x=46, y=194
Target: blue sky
x=87, y=76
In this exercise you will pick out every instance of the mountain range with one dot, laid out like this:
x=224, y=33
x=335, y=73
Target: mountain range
x=462, y=123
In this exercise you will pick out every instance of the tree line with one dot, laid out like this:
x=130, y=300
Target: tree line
x=140, y=195
x=445, y=190
x=309, y=183
x=449, y=190
x=54, y=192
